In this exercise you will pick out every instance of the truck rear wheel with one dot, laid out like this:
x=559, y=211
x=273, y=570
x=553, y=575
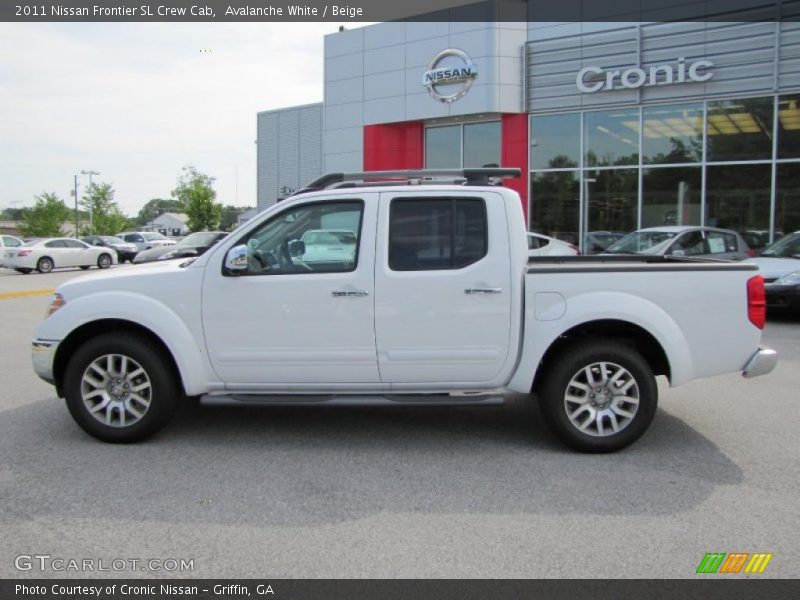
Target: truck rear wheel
x=598, y=396
x=119, y=387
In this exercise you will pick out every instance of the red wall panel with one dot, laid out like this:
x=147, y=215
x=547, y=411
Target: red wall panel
x=401, y=146
x=514, y=153
x=393, y=146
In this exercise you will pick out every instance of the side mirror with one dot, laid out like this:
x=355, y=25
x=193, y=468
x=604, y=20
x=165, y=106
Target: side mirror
x=297, y=248
x=236, y=258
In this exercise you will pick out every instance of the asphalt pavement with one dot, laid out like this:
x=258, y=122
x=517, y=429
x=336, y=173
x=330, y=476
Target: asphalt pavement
x=399, y=492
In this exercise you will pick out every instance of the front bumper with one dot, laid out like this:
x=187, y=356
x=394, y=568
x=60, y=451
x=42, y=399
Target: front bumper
x=761, y=363
x=43, y=353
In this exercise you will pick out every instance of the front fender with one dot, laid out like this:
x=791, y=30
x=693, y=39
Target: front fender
x=186, y=347
x=588, y=307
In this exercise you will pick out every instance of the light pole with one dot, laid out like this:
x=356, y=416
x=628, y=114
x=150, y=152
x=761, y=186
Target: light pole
x=91, y=202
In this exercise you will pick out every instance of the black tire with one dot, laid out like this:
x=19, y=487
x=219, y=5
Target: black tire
x=23, y=271
x=45, y=265
x=104, y=261
x=165, y=392
x=571, y=363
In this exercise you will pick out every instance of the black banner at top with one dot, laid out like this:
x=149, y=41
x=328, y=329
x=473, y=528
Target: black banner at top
x=392, y=10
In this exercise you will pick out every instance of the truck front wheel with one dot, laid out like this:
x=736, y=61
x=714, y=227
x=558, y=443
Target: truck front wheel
x=598, y=396
x=120, y=388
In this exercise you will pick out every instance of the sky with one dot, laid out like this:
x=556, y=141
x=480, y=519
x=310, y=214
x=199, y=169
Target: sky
x=138, y=101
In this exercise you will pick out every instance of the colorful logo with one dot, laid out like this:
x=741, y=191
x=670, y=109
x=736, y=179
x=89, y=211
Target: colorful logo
x=735, y=562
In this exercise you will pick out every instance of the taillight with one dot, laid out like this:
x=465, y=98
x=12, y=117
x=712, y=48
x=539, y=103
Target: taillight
x=574, y=247
x=756, y=301
x=751, y=253
x=24, y=252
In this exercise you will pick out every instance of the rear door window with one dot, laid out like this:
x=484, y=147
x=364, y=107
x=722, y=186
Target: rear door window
x=427, y=234
x=721, y=243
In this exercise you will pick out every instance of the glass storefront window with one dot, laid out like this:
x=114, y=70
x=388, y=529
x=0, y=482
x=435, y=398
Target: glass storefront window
x=611, y=198
x=789, y=126
x=787, y=200
x=671, y=196
x=612, y=137
x=555, y=205
x=556, y=141
x=443, y=147
x=672, y=134
x=738, y=198
x=482, y=144
x=740, y=129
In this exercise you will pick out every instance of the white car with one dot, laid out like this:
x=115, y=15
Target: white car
x=144, y=240
x=440, y=306
x=328, y=245
x=47, y=254
x=544, y=245
x=7, y=242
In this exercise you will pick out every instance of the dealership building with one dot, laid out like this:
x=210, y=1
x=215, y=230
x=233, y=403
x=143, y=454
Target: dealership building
x=615, y=126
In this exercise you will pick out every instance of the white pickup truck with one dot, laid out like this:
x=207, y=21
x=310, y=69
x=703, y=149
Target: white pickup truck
x=437, y=304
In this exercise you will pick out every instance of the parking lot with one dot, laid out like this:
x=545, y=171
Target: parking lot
x=400, y=492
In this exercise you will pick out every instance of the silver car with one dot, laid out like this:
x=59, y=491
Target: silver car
x=684, y=240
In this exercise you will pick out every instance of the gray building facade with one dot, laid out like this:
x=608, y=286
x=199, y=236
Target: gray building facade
x=615, y=125
x=289, y=151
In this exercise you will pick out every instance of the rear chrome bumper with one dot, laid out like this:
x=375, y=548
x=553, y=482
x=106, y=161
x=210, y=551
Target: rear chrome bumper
x=43, y=352
x=761, y=363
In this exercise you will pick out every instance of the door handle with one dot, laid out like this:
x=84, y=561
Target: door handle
x=472, y=291
x=349, y=293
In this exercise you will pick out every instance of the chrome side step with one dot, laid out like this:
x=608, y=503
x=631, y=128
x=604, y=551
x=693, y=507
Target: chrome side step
x=350, y=400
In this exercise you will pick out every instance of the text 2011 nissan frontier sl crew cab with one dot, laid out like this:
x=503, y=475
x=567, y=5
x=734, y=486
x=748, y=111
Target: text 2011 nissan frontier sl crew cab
x=427, y=297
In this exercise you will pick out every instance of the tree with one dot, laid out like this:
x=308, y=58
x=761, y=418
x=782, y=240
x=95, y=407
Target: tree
x=197, y=195
x=230, y=215
x=106, y=216
x=158, y=206
x=46, y=216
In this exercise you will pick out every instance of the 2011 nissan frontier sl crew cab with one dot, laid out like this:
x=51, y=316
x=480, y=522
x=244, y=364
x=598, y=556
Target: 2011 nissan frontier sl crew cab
x=421, y=294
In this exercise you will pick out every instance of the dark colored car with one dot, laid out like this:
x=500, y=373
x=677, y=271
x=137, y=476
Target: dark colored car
x=125, y=251
x=193, y=244
x=779, y=264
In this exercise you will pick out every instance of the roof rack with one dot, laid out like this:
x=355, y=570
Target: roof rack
x=481, y=176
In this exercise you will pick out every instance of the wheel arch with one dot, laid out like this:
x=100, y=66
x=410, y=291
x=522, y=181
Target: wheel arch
x=94, y=328
x=624, y=331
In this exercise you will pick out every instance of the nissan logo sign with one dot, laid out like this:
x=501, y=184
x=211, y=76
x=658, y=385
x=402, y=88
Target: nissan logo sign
x=594, y=79
x=449, y=83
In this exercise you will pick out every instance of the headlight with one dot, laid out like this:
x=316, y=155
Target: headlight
x=55, y=303
x=790, y=279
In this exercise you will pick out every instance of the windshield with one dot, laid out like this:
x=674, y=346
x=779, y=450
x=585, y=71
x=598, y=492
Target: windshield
x=110, y=239
x=153, y=235
x=201, y=238
x=785, y=247
x=641, y=241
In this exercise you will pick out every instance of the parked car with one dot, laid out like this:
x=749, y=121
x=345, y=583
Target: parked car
x=326, y=245
x=595, y=242
x=193, y=244
x=684, y=240
x=440, y=307
x=145, y=240
x=543, y=245
x=47, y=254
x=125, y=251
x=6, y=242
x=780, y=266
